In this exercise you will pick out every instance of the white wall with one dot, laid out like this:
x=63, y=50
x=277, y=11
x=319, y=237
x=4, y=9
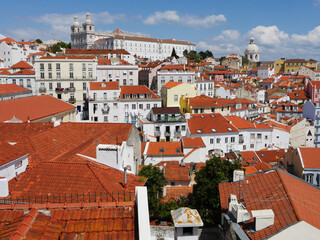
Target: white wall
x=17, y=166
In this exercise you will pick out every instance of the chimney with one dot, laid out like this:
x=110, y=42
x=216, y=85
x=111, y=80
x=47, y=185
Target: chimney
x=263, y=218
x=4, y=187
x=238, y=175
x=125, y=178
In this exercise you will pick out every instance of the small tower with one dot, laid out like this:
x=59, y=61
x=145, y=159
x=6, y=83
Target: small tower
x=88, y=26
x=252, y=52
x=75, y=26
x=88, y=31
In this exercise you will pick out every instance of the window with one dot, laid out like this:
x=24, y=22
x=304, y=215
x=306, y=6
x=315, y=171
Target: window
x=131, y=82
x=176, y=97
x=50, y=86
x=49, y=66
x=226, y=140
x=233, y=139
x=50, y=75
x=266, y=137
x=105, y=118
x=124, y=82
x=84, y=96
x=18, y=165
x=140, y=106
x=41, y=66
x=183, y=127
x=309, y=178
x=90, y=67
x=83, y=67
x=155, y=105
x=42, y=75
x=84, y=86
x=115, y=118
x=90, y=75
x=71, y=85
x=218, y=140
x=58, y=85
x=130, y=73
x=71, y=66
x=244, y=147
x=58, y=66
x=148, y=106
x=134, y=95
x=252, y=136
x=133, y=106
x=21, y=82
x=84, y=75
x=251, y=145
x=71, y=75
x=187, y=231
x=211, y=140
x=115, y=105
x=28, y=83
x=58, y=75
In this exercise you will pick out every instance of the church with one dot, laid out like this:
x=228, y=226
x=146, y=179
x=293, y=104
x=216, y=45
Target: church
x=85, y=37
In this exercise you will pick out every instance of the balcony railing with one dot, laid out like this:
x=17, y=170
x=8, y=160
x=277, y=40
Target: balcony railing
x=72, y=100
x=167, y=134
x=42, y=90
x=72, y=89
x=177, y=133
x=170, y=119
x=105, y=110
x=59, y=89
x=157, y=133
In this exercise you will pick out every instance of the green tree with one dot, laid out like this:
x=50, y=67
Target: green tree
x=38, y=40
x=245, y=61
x=56, y=48
x=206, y=190
x=155, y=183
x=174, y=54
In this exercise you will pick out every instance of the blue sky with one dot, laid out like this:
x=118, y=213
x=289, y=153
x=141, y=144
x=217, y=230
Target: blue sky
x=282, y=28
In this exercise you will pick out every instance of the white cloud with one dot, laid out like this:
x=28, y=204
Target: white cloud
x=172, y=17
x=269, y=36
x=273, y=43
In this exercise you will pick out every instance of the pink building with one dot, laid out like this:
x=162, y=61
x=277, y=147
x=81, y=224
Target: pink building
x=313, y=90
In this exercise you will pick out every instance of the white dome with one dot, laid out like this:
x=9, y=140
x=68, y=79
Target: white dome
x=76, y=22
x=252, y=48
x=88, y=20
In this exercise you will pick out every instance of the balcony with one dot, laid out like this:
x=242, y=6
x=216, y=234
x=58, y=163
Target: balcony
x=167, y=134
x=170, y=119
x=72, y=89
x=177, y=133
x=59, y=89
x=42, y=90
x=105, y=110
x=157, y=133
x=72, y=100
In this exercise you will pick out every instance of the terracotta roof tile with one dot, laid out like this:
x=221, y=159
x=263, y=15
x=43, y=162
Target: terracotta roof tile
x=138, y=89
x=279, y=191
x=165, y=148
x=24, y=72
x=175, y=192
x=175, y=172
x=104, y=85
x=12, y=88
x=241, y=123
x=191, y=142
x=22, y=65
x=209, y=124
x=171, y=84
x=310, y=157
x=32, y=108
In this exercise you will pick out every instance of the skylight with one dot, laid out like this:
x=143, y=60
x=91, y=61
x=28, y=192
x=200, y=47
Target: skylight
x=213, y=130
x=201, y=116
x=199, y=131
x=212, y=115
x=230, y=129
x=161, y=150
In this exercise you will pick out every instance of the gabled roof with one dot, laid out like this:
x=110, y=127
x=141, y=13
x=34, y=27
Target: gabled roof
x=175, y=172
x=165, y=149
x=171, y=84
x=104, y=61
x=241, y=123
x=22, y=65
x=8, y=40
x=104, y=85
x=137, y=89
x=291, y=199
x=10, y=153
x=192, y=142
x=32, y=108
x=24, y=72
x=209, y=124
x=310, y=157
x=205, y=101
x=178, y=67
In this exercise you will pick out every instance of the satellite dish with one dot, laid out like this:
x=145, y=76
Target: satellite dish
x=53, y=119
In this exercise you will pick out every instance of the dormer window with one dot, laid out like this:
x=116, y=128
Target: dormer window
x=161, y=150
x=127, y=96
x=178, y=150
x=134, y=96
x=148, y=95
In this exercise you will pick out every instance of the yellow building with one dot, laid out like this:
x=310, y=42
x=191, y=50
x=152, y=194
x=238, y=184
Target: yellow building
x=172, y=92
x=205, y=104
x=279, y=66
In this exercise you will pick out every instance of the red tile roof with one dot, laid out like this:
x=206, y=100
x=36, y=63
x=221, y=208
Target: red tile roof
x=209, y=124
x=74, y=222
x=24, y=72
x=68, y=57
x=174, y=193
x=310, y=157
x=178, y=67
x=8, y=40
x=32, y=108
x=22, y=65
x=10, y=153
x=192, y=142
x=12, y=88
x=205, y=101
x=96, y=51
x=241, y=123
x=165, y=149
x=104, y=85
x=290, y=198
x=108, y=62
x=171, y=84
x=137, y=89
x=175, y=172
x=4, y=72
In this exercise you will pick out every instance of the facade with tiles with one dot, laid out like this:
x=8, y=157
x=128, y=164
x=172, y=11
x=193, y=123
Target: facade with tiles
x=66, y=78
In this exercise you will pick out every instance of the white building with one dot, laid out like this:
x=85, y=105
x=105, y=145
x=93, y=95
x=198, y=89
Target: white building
x=141, y=46
x=265, y=72
x=205, y=86
x=65, y=78
x=176, y=73
x=12, y=51
x=302, y=134
x=108, y=102
x=116, y=69
x=163, y=124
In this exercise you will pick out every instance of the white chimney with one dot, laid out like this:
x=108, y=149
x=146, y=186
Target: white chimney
x=232, y=201
x=4, y=187
x=187, y=116
x=240, y=213
x=238, y=175
x=263, y=218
